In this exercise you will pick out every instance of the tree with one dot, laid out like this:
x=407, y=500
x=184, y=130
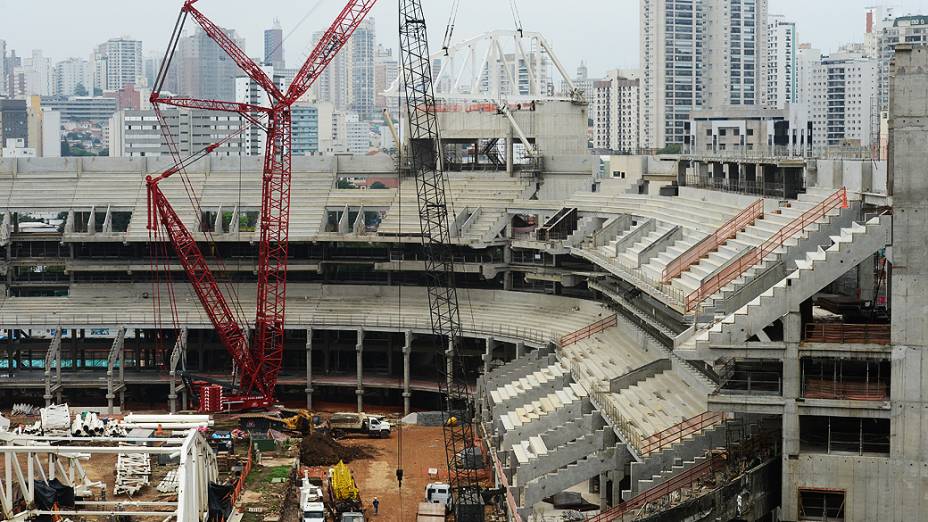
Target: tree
x=80, y=90
x=377, y=185
x=344, y=184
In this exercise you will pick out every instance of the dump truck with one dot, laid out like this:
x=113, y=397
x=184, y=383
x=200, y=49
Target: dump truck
x=343, y=494
x=342, y=424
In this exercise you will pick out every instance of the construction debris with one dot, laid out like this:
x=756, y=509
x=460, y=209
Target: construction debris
x=169, y=483
x=23, y=410
x=132, y=473
x=90, y=425
x=56, y=419
x=319, y=449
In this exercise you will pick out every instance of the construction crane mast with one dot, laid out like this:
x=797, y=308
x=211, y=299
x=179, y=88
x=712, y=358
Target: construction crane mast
x=258, y=364
x=424, y=162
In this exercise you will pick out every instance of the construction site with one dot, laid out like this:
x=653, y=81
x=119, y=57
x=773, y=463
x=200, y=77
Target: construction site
x=515, y=330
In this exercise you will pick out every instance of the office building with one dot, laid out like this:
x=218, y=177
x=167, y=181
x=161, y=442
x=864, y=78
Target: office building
x=138, y=133
x=96, y=109
x=201, y=69
x=357, y=134
x=14, y=121
x=274, y=46
x=247, y=91
x=332, y=85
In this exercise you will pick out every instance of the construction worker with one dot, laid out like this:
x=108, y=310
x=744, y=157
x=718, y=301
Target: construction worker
x=376, y=504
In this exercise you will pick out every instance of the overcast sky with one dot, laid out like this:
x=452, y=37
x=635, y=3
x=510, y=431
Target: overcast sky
x=602, y=32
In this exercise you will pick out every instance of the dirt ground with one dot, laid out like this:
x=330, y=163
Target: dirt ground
x=422, y=448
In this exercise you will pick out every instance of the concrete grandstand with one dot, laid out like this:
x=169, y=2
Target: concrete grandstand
x=619, y=329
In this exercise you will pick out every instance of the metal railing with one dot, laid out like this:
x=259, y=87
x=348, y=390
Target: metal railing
x=712, y=242
x=588, y=330
x=676, y=433
x=755, y=255
x=847, y=333
x=765, y=188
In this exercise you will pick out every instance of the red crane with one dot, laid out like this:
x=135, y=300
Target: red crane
x=259, y=363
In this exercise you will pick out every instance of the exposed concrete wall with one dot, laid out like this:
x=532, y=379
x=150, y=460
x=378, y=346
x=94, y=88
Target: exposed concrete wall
x=908, y=130
x=856, y=175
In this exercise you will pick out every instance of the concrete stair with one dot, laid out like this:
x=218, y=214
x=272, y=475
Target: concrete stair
x=825, y=226
x=563, y=478
x=630, y=255
x=851, y=246
x=665, y=464
x=529, y=388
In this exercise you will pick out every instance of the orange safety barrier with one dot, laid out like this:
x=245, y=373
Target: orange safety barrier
x=589, y=330
x=683, y=480
x=246, y=469
x=847, y=333
x=757, y=254
x=680, y=431
x=710, y=244
x=852, y=391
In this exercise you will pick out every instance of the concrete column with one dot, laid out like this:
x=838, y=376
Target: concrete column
x=309, y=369
x=509, y=149
x=507, y=259
x=407, y=350
x=359, y=348
x=865, y=280
x=488, y=355
x=520, y=349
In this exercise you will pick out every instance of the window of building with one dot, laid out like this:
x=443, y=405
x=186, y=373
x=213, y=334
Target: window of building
x=823, y=505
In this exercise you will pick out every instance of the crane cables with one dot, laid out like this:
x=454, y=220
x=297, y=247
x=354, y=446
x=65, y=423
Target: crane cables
x=514, y=7
x=449, y=29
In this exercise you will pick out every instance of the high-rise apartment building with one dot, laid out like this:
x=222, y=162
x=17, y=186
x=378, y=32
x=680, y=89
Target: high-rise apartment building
x=782, y=65
x=248, y=91
x=332, y=84
x=698, y=54
x=348, y=83
x=33, y=77
x=305, y=121
x=72, y=77
x=911, y=30
x=119, y=62
x=201, y=69
x=734, y=52
x=614, y=106
x=361, y=49
x=274, y=46
x=839, y=92
x=386, y=70
x=4, y=83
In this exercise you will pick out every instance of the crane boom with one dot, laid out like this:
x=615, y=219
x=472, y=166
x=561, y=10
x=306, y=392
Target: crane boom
x=230, y=333
x=424, y=159
x=260, y=364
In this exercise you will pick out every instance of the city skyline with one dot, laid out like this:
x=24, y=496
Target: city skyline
x=825, y=24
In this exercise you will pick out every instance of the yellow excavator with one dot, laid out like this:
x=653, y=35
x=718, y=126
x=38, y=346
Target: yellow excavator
x=299, y=421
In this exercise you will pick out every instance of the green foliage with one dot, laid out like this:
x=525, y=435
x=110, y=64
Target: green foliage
x=377, y=185
x=671, y=148
x=80, y=90
x=344, y=184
